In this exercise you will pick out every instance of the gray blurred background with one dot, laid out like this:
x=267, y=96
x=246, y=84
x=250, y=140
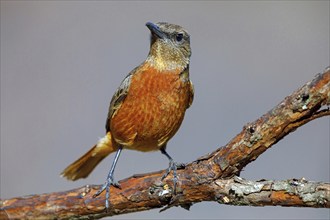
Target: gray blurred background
x=61, y=62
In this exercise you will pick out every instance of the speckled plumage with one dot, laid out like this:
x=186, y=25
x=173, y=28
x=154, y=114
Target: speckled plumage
x=153, y=109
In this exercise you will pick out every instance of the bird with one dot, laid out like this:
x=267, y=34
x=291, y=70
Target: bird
x=148, y=107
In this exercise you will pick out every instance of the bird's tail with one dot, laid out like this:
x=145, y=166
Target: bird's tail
x=82, y=167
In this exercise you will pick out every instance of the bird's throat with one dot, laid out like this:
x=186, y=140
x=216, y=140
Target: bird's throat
x=165, y=58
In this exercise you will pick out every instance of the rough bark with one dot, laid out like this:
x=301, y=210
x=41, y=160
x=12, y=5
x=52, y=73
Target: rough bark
x=212, y=177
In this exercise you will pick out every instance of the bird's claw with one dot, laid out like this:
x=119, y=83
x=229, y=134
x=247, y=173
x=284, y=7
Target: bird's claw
x=116, y=184
x=106, y=186
x=173, y=166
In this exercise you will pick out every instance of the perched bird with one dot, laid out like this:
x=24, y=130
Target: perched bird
x=148, y=107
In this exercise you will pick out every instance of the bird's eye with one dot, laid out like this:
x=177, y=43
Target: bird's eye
x=179, y=37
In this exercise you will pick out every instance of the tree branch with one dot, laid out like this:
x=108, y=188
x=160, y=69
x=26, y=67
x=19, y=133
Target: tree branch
x=144, y=194
x=209, y=178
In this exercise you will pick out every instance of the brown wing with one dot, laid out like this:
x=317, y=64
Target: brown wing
x=185, y=78
x=191, y=94
x=118, y=98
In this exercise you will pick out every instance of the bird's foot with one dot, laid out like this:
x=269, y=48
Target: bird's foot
x=106, y=186
x=173, y=166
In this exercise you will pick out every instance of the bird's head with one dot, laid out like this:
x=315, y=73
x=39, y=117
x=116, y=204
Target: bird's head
x=169, y=46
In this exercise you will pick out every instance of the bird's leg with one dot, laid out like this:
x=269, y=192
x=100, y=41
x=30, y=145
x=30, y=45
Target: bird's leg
x=172, y=166
x=110, y=180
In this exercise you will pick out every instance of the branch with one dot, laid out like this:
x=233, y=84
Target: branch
x=209, y=178
x=144, y=194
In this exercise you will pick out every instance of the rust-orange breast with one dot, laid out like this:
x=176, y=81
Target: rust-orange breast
x=152, y=111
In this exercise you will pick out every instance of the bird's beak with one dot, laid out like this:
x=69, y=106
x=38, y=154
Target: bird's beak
x=155, y=30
